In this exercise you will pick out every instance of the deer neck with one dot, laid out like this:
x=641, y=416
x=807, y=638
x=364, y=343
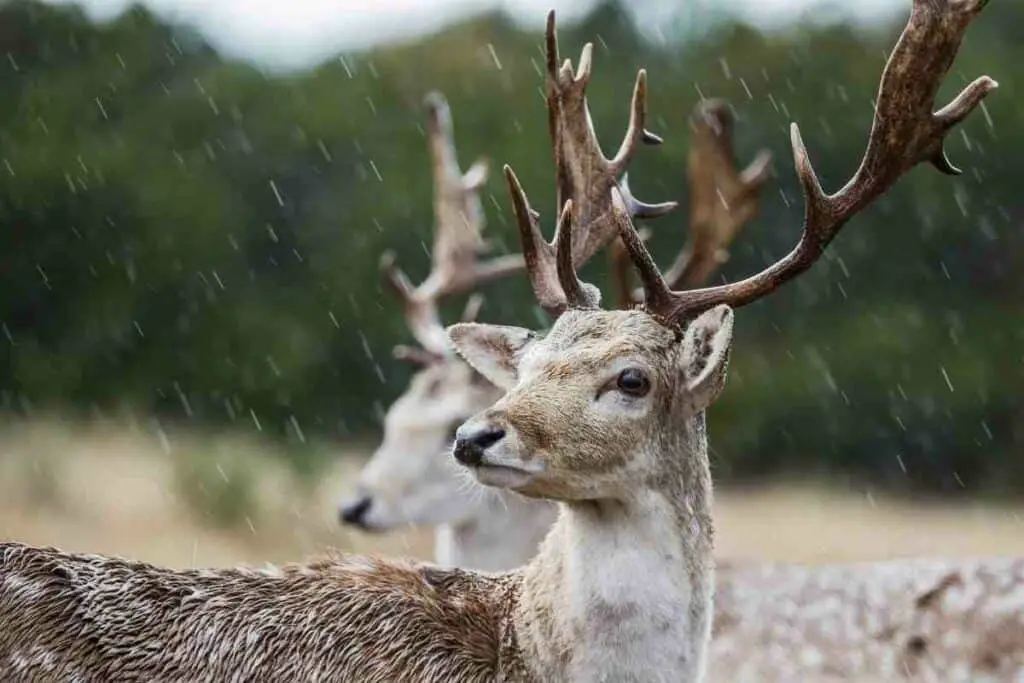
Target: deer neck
x=621, y=589
x=505, y=533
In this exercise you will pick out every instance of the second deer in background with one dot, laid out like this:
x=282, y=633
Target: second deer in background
x=411, y=478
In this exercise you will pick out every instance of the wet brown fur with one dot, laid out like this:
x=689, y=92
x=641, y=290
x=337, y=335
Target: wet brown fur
x=67, y=617
x=900, y=620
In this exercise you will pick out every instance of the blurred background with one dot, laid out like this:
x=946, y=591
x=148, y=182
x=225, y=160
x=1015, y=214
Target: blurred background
x=195, y=348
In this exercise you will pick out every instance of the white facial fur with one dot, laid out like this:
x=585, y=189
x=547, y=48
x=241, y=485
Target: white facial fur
x=412, y=478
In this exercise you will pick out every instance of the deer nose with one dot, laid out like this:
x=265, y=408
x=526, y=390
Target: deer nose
x=469, y=447
x=354, y=512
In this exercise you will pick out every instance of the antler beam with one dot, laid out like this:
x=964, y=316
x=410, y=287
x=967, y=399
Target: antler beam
x=905, y=132
x=458, y=240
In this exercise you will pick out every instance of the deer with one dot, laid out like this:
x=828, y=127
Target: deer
x=604, y=414
x=623, y=394
x=410, y=478
x=772, y=622
x=407, y=480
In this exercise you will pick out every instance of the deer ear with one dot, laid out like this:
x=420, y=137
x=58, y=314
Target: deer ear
x=492, y=350
x=706, y=347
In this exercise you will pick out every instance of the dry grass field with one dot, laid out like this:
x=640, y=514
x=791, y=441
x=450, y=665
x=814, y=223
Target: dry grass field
x=186, y=500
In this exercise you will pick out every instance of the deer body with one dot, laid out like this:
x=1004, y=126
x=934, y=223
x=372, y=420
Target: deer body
x=903, y=620
x=88, y=618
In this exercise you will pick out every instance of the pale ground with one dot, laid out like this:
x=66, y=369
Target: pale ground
x=122, y=492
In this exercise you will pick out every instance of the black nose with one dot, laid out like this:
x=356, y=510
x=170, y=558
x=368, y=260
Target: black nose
x=354, y=512
x=469, y=450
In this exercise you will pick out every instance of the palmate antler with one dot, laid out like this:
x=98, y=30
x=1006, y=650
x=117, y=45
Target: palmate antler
x=723, y=199
x=905, y=132
x=458, y=244
x=584, y=180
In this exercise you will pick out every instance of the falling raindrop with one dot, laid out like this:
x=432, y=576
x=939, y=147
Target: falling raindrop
x=298, y=430
x=277, y=194
x=494, y=56
x=945, y=376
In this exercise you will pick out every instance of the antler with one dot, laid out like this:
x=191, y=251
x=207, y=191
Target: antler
x=723, y=200
x=458, y=241
x=421, y=356
x=905, y=132
x=621, y=267
x=584, y=177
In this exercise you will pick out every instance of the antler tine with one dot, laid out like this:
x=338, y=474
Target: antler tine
x=458, y=240
x=578, y=294
x=722, y=198
x=617, y=254
x=656, y=291
x=415, y=355
x=472, y=308
x=539, y=254
x=550, y=265
x=636, y=132
x=905, y=132
x=421, y=315
x=722, y=201
x=621, y=267
x=583, y=173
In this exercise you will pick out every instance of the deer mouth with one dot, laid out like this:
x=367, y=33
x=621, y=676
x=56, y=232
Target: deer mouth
x=503, y=476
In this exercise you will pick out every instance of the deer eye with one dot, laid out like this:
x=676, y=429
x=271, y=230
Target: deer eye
x=633, y=382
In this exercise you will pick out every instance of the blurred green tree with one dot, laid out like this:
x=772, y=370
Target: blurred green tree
x=189, y=237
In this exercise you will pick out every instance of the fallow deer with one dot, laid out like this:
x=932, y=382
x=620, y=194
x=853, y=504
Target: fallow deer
x=773, y=623
x=604, y=414
x=411, y=478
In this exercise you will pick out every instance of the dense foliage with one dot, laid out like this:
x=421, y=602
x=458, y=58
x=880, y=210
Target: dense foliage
x=190, y=237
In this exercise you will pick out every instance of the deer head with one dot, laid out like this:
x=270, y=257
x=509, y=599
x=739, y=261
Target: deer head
x=404, y=481
x=591, y=406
